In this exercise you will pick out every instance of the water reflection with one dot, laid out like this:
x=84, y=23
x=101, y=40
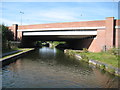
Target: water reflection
x=47, y=53
x=50, y=68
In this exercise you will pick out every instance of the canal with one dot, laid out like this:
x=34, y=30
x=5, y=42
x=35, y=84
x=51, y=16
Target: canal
x=51, y=68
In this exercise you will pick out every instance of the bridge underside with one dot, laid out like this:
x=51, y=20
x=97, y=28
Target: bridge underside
x=77, y=39
x=57, y=37
x=74, y=41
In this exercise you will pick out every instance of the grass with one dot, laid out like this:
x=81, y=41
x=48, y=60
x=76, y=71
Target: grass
x=9, y=50
x=23, y=50
x=103, y=57
x=14, y=49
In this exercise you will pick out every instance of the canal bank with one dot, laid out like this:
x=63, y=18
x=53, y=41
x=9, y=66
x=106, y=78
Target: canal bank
x=102, y=65
x=51, y=68
x=11, y=56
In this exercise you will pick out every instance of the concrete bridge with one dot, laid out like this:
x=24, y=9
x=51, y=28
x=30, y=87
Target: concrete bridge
x=94, y=35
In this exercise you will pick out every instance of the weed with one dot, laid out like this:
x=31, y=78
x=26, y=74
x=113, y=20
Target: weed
x=84, y=58
x=111, y=70
x=85, y=50
x=102, y=66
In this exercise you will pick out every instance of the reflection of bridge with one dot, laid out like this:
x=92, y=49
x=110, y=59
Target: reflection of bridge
x=94, y=35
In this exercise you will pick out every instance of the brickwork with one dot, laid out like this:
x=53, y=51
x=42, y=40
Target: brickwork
x=19, y=36
x=109, y=32
x=65, y=25
x=98, y=42
x=14, y=28
x=108, y=37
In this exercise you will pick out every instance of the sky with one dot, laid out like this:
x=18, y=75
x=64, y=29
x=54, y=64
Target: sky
x=55, y=12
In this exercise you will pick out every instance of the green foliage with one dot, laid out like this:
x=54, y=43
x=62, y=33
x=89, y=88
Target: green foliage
x=55, y=43
x=104, y=57
x=102, y=66
x=113, y=51
x=7, y=36
x=111, y=70
x=70, y=52
x=84, y=58
x=85, y=50
x=9, y=50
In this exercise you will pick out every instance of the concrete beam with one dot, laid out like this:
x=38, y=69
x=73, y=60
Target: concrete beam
x=60, y=33
x=70, y=28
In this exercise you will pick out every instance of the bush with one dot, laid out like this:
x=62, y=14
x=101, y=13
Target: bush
x=84, y=58
x=113, y=51
x=85, y=50
x=102, y=66
x=7, y=36
x=112, y=71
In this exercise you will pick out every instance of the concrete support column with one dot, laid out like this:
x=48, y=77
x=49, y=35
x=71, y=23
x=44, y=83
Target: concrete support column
x=109, y=32
x=14, y=29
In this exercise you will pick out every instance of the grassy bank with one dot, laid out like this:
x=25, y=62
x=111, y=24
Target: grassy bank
x=105, y=60
x=55, y=43
x=9, y=50
x=21, y=51
x=104, y=57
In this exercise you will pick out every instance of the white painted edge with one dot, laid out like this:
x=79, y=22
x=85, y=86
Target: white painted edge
x=71, y=28
x=60, y=33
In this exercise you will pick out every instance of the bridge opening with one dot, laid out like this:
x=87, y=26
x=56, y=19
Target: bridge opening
x=77, y=42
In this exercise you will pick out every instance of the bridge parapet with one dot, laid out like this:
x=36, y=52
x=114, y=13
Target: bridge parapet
x=83, y=24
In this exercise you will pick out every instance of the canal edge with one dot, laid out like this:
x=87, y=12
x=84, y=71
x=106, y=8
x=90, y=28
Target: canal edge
x=108, y=68
x=6, y=59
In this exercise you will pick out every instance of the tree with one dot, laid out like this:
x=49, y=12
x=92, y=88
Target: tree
x=7, y=36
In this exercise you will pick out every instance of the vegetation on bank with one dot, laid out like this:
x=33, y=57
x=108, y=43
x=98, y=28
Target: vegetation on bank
x=107, y=61
x=9, y=50
x=7, y=37
x=22, y=50
x=103, y=57
x=110, y=57
x=56, y=43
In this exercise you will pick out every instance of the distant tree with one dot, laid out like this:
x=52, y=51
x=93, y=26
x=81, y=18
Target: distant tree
x=7, y=35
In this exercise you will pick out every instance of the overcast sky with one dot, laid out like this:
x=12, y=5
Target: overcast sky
x=53, y=12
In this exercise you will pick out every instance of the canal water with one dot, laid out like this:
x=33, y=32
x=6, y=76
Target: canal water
x=51, y=68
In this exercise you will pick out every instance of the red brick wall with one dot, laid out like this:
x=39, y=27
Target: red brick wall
x=109, y=32
x=14, y=28
x=98, y=42
x=67, y=24
x=19, y=35
x=117, y=22
x=89, y=43
x=94, y=45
